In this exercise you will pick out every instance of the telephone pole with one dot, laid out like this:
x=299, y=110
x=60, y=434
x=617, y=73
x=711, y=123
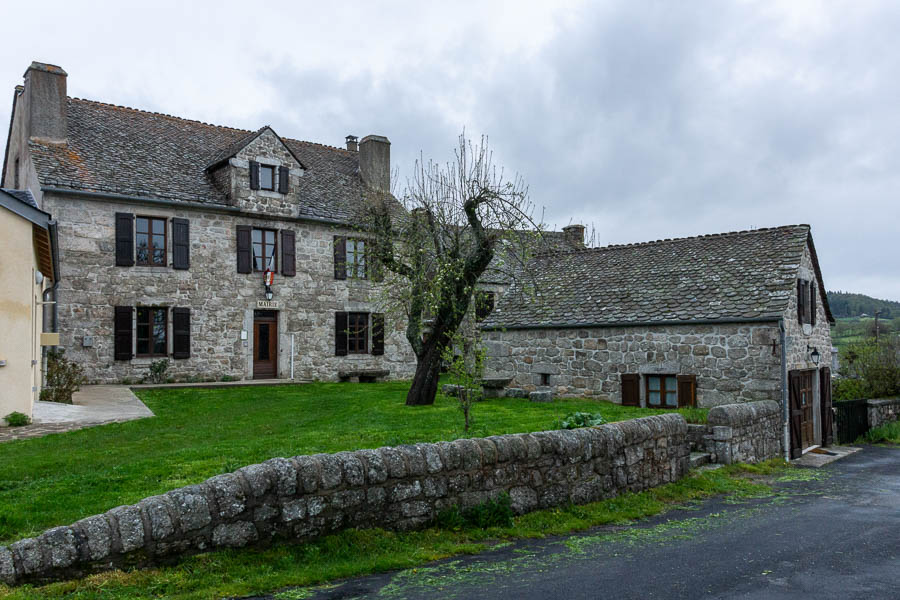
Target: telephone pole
x=877, y=312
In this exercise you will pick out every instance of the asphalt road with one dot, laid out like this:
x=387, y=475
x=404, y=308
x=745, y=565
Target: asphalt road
x=827, y=533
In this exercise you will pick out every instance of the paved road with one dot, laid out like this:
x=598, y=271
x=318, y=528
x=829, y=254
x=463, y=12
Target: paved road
x=827, y=533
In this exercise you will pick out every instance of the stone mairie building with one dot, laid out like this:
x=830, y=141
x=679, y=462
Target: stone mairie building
x=168, y=226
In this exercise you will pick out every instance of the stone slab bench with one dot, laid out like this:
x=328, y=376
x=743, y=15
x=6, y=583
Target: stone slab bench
x=364, y=375
x=495, y=387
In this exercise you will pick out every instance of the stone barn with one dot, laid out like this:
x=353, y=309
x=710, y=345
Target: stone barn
x=699, y=321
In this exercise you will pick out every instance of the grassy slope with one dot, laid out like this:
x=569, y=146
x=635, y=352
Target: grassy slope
x=199, y=433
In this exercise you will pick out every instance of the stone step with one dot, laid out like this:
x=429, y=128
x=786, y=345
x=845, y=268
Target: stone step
x=699, y=459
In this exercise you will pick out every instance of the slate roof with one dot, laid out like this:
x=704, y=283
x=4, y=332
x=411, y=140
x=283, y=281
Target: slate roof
x=22, y=195
x=127, y=151
x=739, y=275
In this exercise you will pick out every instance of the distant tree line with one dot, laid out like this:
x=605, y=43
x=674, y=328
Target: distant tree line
x=845, y=304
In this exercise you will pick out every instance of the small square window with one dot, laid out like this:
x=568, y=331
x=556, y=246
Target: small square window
x=267, y=177
x=662, y=391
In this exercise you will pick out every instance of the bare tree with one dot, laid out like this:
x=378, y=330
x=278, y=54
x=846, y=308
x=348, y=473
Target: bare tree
x=434, y=252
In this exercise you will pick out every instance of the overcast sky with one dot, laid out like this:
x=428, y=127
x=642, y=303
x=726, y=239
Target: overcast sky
x=644, y=120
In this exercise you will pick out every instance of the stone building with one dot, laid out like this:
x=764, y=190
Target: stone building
x=169, y=227
x=698, y=321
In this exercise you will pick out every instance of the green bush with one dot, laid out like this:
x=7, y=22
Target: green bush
x=492, y=513
x=64, y=378
x=17, y=419
x=229, y=378
x=889, y=433
x=848, y=389
x=158, y=370
x=579, y=419
x=872, y=370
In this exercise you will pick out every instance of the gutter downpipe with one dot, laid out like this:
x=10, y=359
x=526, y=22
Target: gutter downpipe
x=785, y=409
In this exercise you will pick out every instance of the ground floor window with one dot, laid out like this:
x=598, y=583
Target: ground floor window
x=662, y=391
x=352, y=331
x=152, y=326
x=358, y=333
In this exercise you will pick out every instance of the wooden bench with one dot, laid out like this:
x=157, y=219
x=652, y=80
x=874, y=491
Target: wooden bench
x=364, y=375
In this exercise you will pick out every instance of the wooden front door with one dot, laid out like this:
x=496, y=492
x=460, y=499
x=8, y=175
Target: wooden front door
x=265, y=344
x=801, y=399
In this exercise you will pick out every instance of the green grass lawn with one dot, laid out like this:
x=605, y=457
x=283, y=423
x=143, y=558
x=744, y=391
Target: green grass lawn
x=198, y=433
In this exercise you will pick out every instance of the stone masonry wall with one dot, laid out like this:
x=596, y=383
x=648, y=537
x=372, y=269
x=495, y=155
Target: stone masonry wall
x=749, y=432
x=883, y=410
x=221, y=300
x=400, y=488
x=800, y=338
x=732, y=362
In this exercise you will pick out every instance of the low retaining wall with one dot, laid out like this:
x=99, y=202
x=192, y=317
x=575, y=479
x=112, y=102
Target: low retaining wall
x=399, y=488
x=882, y=410
x=748, y=432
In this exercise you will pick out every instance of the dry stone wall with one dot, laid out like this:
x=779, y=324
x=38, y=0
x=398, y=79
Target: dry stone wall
x=883, y=410
x=749, y=433
x=398, y=488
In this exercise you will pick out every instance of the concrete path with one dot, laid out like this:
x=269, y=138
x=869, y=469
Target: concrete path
x=829, y=533
x=92, y=405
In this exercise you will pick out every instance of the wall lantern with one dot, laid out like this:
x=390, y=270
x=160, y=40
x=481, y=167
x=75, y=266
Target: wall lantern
x=814, y=355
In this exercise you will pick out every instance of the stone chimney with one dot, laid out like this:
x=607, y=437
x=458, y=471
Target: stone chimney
x=375, y=162
x=45, y=103
x=352, y=146
x=574, y=236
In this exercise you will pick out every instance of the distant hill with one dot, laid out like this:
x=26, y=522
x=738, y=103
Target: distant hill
x=845, y=304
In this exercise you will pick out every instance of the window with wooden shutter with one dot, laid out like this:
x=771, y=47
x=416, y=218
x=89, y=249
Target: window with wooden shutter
x=181, y=332
x=254, y=175
x=122, y=344
x=288, y=253
x=631, y=391
x=284, y=179
x=124, y=240
x=181, y=244
x=340, y=334
x=812, y=302
x=340, y=257
x=244, y=258
x=377, y=334
x=687, y=390
x=662, y=391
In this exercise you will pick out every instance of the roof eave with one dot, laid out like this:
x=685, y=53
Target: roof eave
x=773, y=318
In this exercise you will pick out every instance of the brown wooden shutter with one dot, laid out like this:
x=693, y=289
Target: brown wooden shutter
x=800, y=301
x=796, y=414
x=377, y=334
x=826, y=404
x=340, y=334
x=284, y=179
x=181, y=244
x=124, y=240
x=687, y=390
x=254, y=175
x=812, y=302
x=244, y=257
x=340, y=257
x=631, y=391
x=122, y=333
x=181, y=332
x=288, y=253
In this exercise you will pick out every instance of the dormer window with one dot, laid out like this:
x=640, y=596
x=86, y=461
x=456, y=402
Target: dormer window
x=267, y=177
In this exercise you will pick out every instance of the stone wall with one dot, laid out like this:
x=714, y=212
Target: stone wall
x=221, y=300
x=883, y=410
x=800, y=339
x=749, y=433
x=399, y=488
x=732, y=362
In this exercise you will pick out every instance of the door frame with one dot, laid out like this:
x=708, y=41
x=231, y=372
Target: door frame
x=265, y=316
x=795, y=411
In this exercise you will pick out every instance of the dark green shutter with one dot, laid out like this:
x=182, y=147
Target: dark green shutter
x=122, y=333
x=340, y=334
x=288, y=253
x=377, y=334
x=181, y=332
x=340, y=257
x=244, y=257
x=124, y=240
x=812, y=302
x=181, y=244
x=284, y=179
x=254, y=175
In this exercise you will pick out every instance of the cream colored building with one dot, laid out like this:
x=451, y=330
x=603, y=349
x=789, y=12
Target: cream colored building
x=27, y=269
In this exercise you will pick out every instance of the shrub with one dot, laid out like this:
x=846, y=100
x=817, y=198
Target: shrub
x=889, y=433
x=158, y=370
x=229, y=378
x=579, y=419
x=491, y=513
x=848, y=389
x=875, y=366
x=17, y=419
x=64, y=378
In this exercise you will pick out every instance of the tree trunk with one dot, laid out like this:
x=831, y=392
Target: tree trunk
x=425, y=381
